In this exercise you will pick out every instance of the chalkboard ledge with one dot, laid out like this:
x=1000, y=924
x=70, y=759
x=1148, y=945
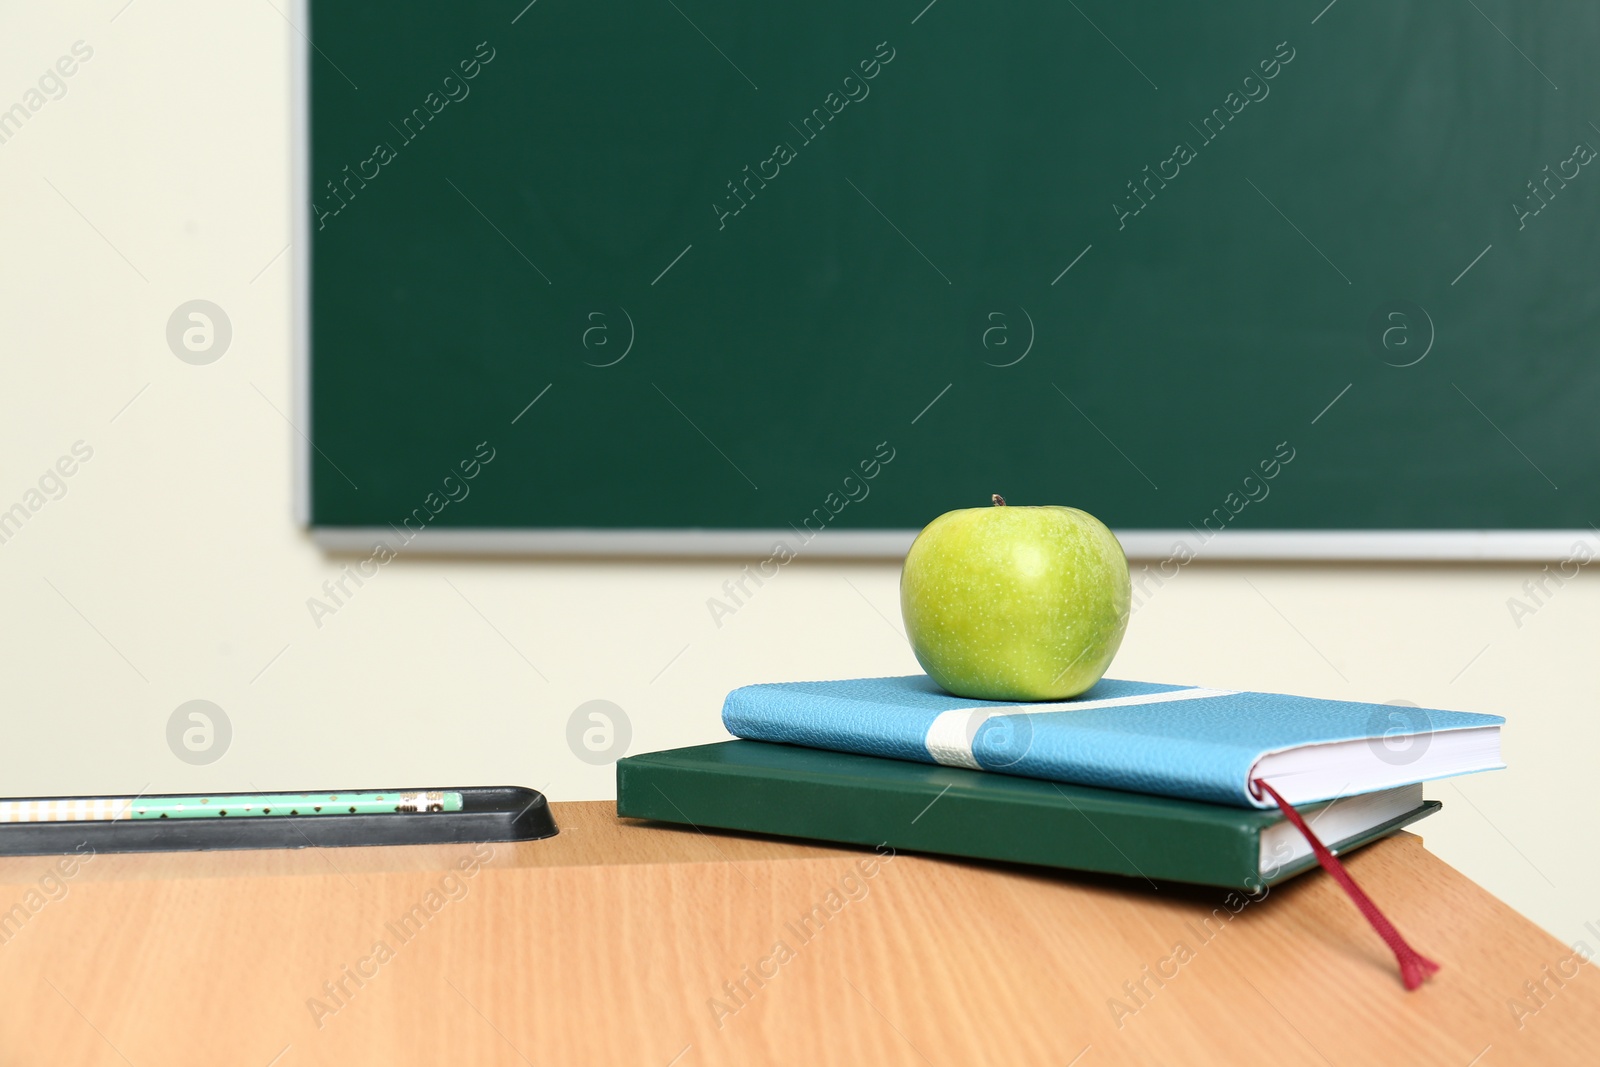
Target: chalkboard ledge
x=1178, y=546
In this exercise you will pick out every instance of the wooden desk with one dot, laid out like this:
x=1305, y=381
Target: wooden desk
x=612, y=943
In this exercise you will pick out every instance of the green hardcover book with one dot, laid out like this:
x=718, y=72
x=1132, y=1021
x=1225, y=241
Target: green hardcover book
x=866, y=800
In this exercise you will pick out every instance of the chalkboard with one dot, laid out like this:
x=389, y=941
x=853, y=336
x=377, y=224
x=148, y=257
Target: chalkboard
x=701, y=266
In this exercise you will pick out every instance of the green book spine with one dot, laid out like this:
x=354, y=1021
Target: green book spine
x=829, y=796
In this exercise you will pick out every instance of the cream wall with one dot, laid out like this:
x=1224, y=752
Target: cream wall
x=171, y=571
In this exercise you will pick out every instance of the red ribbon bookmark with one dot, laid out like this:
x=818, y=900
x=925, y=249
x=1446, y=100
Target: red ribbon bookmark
x=1414, y=966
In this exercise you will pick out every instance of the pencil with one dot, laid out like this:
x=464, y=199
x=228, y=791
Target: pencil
x=109, y=809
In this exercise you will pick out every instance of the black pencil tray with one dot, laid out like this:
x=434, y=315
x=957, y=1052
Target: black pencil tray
x=495, y=813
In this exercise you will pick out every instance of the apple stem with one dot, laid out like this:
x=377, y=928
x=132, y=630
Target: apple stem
x=999, y=501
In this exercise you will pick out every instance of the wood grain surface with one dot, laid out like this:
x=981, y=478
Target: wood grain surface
x=629, y=943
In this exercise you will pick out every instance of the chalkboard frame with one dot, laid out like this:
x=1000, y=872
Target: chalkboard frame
x=1439, y=546
x=1400, y=545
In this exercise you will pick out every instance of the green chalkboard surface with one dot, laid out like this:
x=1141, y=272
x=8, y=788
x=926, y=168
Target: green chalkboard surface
x=707, y=264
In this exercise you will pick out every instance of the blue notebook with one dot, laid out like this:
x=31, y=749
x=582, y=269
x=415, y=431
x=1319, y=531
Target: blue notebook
x=1143, y=737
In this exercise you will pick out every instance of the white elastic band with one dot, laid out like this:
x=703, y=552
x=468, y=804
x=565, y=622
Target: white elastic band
x=950, y=737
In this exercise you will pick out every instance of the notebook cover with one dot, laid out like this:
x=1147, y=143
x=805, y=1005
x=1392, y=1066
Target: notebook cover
x=1142, y=737
x=864, y=800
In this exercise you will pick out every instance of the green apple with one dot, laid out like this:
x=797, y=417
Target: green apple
x=1015, y=603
